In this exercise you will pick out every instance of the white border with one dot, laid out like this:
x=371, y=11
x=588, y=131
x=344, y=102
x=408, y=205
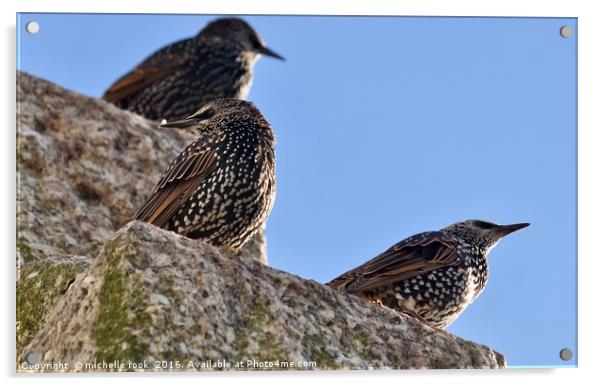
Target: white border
x=590, y=193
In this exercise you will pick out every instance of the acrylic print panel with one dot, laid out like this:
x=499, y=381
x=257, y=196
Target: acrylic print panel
x=386, y=127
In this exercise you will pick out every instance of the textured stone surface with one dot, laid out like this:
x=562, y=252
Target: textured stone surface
x=156, y=296
x=84, y=168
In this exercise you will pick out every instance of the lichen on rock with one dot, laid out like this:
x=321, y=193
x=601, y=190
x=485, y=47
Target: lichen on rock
x=121, y=311
x=42, y=283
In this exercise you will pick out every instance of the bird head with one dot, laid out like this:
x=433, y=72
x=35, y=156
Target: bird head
x=482, y=234
x=220, y=111
x=240, y=33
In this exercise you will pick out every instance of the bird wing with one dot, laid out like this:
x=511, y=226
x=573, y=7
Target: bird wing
x=413, y=256
x=155, y=67
x=178, y=184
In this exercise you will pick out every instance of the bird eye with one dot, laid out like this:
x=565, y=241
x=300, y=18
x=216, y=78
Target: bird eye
x=256, y=42
x=205, y=115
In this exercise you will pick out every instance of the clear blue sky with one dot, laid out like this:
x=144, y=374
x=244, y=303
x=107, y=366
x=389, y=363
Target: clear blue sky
x=389, y=126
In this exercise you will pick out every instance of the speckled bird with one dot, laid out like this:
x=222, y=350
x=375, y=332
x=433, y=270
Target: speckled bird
x=431, y=275
x=174, y=81
x=221, y=188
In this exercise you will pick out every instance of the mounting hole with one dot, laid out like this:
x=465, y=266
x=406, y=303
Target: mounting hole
x=566, y=354
x=566, y=31
x=32, y=358
x=32, y=27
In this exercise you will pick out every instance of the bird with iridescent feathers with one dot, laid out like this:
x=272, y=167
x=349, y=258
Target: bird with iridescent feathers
x=221, y=187
x=173, y=82
x=432, y=275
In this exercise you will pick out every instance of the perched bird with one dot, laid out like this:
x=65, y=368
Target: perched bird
x=174, y=81
x=221, y=188
x=432, y=275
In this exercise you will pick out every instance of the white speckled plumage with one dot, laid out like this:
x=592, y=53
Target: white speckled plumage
x=178, y=78
x=434, y=275
x=221, y=188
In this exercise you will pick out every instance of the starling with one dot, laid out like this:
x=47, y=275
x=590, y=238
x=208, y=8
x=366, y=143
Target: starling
x=174, y=81
x=432, y=275
x=221, y=188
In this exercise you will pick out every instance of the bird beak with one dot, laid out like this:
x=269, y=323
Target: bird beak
x=268, y=52
x=180, y=124
x=503, y=230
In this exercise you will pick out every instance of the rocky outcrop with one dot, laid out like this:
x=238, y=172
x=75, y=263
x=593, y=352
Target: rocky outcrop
x=83, y=168
x=97, y=290
x=155, y=296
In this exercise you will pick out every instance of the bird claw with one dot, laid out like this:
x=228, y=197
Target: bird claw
x=408, y=312
x=414, y=315
x=377, y=302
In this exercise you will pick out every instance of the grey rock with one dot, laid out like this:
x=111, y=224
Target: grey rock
x=228, y=310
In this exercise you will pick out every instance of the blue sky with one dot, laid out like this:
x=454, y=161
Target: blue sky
x=389, y=126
